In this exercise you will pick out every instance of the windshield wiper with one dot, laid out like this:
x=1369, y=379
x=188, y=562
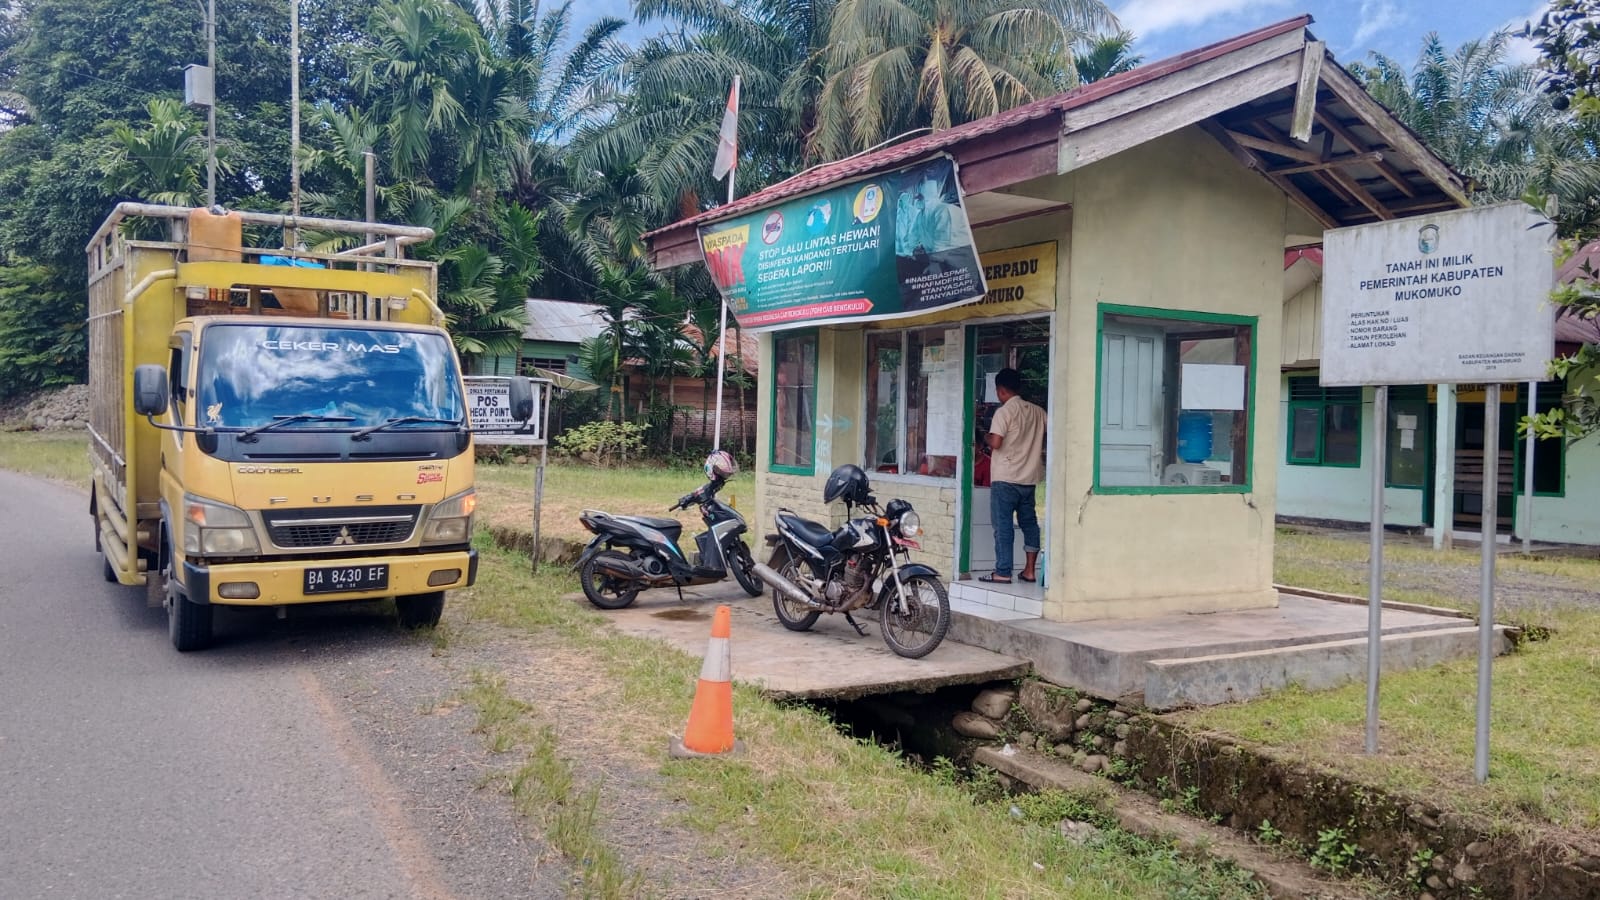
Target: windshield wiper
x=249, y=434
x=366, y=432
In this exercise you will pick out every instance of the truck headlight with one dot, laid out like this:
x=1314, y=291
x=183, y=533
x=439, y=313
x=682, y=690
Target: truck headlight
x=216, y=529
x=450, y=522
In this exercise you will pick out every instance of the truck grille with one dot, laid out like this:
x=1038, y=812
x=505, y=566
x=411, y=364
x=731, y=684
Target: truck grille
x=339, y=528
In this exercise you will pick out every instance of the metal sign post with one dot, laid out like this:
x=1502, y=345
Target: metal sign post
x=1491, y=498
x=1527, y=472
x=489, y=407
x=1446, y=298
x=1380, y=417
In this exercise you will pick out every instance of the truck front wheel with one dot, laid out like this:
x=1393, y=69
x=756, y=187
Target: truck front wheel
x=420, y=610
x=188, y=623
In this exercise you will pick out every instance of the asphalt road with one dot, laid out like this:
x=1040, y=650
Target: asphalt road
x=299, y=758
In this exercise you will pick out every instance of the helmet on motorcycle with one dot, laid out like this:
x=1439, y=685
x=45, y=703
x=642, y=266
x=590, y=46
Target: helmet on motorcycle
x=847, y=483
x=720, y=466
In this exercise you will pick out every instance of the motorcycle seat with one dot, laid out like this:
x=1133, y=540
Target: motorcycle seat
x=672, y=528
x=816, y=535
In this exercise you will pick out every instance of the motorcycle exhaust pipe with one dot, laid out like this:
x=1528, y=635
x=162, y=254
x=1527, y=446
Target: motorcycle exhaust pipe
x=783, y=585
x=631, y=571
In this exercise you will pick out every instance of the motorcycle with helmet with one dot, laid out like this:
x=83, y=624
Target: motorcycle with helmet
x=629, y=554
x=864, y=564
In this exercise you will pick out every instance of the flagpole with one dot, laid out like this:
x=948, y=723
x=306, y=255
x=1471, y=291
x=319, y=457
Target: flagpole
x=722, y=319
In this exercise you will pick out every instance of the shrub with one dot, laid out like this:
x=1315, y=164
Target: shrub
x=603, y=443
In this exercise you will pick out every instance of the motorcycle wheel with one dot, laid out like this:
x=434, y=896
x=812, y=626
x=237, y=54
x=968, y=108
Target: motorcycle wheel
x=794, y=616
x=743, y=564
x=604, y=590
x=916, y=631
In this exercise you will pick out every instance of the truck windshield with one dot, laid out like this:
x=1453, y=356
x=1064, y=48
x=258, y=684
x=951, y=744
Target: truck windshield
x=253, y=375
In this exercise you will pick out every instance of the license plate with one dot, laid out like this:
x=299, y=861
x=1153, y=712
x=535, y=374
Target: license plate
x=335, y=579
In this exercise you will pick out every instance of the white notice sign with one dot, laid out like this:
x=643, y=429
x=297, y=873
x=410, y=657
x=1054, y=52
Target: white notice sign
x=489, y=408
x=1456, y=297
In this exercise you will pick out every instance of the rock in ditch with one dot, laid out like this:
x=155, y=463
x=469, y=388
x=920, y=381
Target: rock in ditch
x=1084, y=705
x=1464, y=873
x=1049, y=709
x=994, y=703
x=972, y=725
x=1078, y=832
x=1026, y=740
x=1095, y=763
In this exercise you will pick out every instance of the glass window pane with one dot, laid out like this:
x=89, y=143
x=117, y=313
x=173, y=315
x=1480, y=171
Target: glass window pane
x=1341, y=440
x=1174, y=401
x=884, y=376
x=933, y=426
x=1407, y=459
x=795, y=395
x=1305, y=423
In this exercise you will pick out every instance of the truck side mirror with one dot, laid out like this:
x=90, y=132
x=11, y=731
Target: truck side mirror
x=521, y=398
x=150, y=389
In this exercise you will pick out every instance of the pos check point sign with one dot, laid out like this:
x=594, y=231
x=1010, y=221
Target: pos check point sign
x=489, y=407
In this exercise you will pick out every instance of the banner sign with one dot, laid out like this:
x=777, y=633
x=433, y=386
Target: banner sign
x=897, y=244
x=1447, y=298
x=489, y=410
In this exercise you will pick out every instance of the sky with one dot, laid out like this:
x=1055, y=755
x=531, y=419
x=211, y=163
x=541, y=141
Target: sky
x=1351, y=28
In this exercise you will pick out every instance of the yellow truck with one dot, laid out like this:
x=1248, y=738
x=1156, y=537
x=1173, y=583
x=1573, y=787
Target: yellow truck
x=272, y=427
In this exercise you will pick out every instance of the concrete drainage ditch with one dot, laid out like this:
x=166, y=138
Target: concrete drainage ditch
x=1034, y=732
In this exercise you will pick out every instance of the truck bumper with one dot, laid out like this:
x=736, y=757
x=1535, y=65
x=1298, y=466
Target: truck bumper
x=280, y=583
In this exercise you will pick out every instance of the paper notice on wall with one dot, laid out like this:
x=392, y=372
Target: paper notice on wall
x=989, y=395
x=944, y=417
x=1406, y=423
x=1212, y=387
x=1408, y=436
x=933, y=357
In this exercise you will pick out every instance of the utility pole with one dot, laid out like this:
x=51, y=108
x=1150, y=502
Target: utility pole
x=211, y=109
x=294, y=107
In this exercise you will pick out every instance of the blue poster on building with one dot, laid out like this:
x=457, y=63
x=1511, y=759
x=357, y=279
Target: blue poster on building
x=896, y=244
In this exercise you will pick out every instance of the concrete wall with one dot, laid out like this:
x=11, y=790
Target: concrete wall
x=1172, y=224
x=1333, y=492
x=1575, y=517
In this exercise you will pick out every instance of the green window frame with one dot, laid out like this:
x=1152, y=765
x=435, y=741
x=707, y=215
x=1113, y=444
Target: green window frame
x=1552, y=395
x=793, y=448
x=1180, y=329
x=1315, y=414
x=1407, y=467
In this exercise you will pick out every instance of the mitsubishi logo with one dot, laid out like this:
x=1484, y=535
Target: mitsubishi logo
x=344, y=536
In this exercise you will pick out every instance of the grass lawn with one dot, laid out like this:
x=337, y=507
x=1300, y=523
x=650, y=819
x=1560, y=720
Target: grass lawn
x=57, y=455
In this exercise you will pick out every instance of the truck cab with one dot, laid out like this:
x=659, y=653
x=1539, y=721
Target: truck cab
x=273, y=428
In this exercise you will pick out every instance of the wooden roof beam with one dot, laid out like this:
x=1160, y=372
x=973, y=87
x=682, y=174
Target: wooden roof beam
x=1332, y=123
x=1332, y=162
x=1305, y=94
x=1284, y=183
x=1390, y=129
x=1275, y=147
x=1321, y=175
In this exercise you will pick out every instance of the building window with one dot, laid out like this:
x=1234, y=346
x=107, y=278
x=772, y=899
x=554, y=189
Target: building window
x=1549, y=454
x=1175, y=394
x=1406, y=462
x=914, y=419
x=1324, y=424
x=794, y=403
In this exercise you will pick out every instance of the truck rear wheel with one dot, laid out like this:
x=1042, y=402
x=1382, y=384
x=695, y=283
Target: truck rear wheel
x=420, y=610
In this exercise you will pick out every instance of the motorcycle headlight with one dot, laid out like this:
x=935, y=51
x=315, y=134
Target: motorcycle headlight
x=216, y=529
x=450, y=522
x=910, y=524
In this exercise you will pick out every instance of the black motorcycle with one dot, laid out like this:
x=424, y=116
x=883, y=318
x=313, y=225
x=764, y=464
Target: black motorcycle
x=631, y=553
x=865, y=563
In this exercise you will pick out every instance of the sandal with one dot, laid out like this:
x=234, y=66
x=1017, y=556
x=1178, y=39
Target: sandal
x=992, y=578
x=1026, y=578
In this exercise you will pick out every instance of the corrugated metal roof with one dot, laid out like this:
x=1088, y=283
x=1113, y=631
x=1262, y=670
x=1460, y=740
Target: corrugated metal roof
x=867, y=163
x=562, y=321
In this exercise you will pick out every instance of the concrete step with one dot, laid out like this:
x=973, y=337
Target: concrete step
x=1229, y=677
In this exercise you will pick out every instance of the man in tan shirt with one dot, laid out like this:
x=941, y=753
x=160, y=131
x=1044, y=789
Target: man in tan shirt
x=1016, y=466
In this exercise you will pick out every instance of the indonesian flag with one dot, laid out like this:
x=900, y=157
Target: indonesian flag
x=728, y=138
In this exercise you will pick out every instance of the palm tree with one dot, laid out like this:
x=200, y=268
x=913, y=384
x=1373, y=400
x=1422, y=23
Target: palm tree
x=1490, y=119
x=421, y=48
x=666, y=99
x=897, y=65
x=161, y=161
x=1104, y=55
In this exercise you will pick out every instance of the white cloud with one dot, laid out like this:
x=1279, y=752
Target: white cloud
x=1377, y=16
x=1520, y=49
x=1148, y=17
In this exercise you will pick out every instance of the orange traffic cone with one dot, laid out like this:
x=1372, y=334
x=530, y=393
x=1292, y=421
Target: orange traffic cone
x=710, y=729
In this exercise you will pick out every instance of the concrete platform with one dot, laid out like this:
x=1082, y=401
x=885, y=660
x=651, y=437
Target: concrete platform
x=1184, y=660
x=829, y=662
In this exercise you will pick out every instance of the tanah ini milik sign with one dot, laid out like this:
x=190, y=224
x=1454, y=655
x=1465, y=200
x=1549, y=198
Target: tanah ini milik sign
x=897, y=244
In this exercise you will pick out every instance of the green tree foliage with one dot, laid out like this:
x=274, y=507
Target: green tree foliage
x=41, y=321
x=1568, y=38
x=896, y=65
x=1105, y=55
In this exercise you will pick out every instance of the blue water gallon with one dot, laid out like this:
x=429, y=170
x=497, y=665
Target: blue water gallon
x=1194, y=436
